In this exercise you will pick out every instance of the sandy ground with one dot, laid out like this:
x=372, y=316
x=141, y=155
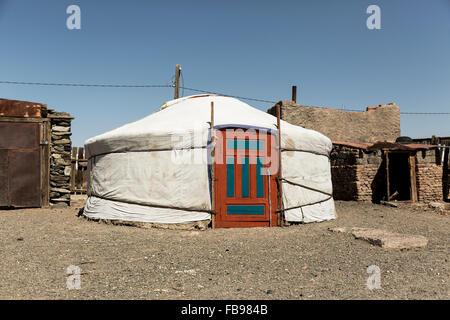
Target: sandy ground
x=297, y=262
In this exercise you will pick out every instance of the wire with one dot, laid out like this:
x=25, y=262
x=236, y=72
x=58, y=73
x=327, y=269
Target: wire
x=428, y=113
x=172, y=85
x=89, y=85
x=228, y=95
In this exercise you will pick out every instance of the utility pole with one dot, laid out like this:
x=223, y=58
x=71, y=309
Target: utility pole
x=177, y=81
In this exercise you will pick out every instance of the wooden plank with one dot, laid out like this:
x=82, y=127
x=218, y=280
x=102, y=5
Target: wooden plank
x=73, y=169
x=15, y=119
x=241, y=224
x=280, y=177
x=388, y=189
x=45, y=136
x=79, y=179
x=213, y=176
x=84, y=164
x=412, y=174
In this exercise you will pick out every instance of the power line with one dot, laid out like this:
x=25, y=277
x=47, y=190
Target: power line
x=429, y=113
x=171, y=85
x=89, y=85
x=228, y=95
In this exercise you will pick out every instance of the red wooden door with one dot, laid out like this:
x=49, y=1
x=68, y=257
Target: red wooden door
x=245, y=188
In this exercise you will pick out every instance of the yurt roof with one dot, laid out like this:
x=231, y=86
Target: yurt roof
x=187, y=116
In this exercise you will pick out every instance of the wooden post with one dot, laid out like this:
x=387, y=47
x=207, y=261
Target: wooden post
x=412, y=175
x=45, y=141
x=388, y=191
x=294, y=94
x=280, y=187
x=177, y=81
x=73, y=169
x=213, y=163
x=79, y=176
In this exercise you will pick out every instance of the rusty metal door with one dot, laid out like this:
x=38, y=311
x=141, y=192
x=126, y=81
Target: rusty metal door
x=20, y=184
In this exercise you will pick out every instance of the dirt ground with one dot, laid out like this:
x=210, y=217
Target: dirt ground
x=296, y=262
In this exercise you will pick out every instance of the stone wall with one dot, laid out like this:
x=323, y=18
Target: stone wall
x=380, y=123
x=429, y=174
x=361, y=175
x=60, y=158
x=356, y=174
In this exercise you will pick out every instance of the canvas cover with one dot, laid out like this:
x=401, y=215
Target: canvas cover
x=156, y=169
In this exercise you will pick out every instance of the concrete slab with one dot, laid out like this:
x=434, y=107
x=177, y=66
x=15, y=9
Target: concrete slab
x=389, y=240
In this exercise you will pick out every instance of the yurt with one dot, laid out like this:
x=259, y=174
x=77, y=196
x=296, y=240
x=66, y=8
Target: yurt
x=172, y=167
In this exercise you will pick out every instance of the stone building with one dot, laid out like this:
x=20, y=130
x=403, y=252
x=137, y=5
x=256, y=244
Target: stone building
x=366, y=162
x=387, y=171
x=35, y=155
x=380, y=123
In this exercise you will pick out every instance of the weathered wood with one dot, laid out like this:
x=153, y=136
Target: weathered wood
x=15, y=119
x=388, y=189
x=213, y=176
x=177, y=81
x=73, y=168
x=45, y=137
x=280, y=176
x=412, y=175
x=79, y=176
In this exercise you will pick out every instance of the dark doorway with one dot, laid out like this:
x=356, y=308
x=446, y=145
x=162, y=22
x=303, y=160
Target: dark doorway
x=399, y=176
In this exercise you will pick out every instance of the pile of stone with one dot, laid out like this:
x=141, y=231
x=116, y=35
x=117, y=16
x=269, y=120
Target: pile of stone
x=60, y=159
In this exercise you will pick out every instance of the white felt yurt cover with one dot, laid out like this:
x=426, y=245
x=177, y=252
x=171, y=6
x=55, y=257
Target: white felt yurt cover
x=156, y=169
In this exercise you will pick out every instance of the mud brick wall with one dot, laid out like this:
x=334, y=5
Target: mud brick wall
x=380, y=123
x=60, y=161
x=356, y=174
x=429, y=175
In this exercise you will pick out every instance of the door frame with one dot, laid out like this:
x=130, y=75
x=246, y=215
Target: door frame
x=269, y=200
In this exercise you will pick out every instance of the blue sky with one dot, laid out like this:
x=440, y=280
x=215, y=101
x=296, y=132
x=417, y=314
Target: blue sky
x=247, y=48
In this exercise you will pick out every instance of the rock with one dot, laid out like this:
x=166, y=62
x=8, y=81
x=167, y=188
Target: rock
x=62, y=141
x=54, y=195
x=60, y=190
x=437, y=205
x=389, y=240
x=67, y=171
x=62, y=133
x=59, y=205
x=58, y=178
x=60, y=129
x=339, y=229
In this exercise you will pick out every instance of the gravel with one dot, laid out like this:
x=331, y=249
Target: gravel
x=296, y=262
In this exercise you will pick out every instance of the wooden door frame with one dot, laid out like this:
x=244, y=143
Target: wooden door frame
x=219, y=200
